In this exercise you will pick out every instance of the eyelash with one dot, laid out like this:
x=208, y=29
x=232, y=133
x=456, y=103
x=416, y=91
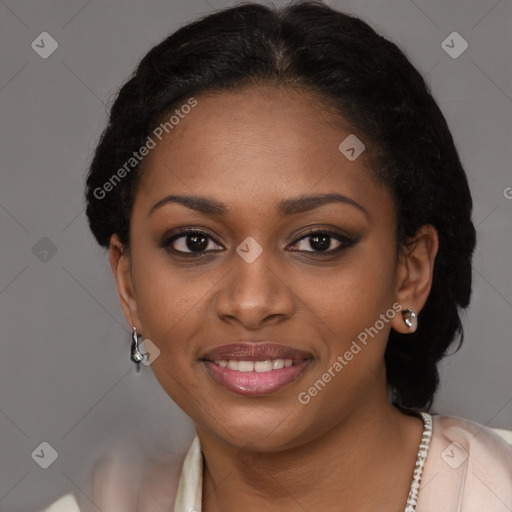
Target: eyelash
x=345, y=242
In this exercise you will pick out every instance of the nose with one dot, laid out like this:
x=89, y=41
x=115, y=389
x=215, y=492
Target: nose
x=254, y=295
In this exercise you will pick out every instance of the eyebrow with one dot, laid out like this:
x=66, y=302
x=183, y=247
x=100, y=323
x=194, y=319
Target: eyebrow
x=286, y=207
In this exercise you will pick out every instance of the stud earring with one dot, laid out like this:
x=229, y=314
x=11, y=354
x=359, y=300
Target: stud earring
x=410, y=319
x=136, y=356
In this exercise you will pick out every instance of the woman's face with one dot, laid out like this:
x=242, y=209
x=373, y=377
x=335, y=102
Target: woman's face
x=244, y=160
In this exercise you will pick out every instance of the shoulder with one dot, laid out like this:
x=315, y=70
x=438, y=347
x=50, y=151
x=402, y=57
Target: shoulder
x=129, y=476
x=468, y=468
x=66, y=503
x=477, y=439
x=129, y=479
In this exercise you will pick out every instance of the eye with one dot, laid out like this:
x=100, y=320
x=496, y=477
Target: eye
x=320, y=241
x=190, y=242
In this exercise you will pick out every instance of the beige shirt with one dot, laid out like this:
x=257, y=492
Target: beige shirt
x=468, y=469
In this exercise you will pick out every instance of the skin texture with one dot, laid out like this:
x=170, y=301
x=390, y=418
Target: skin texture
x=251, y=150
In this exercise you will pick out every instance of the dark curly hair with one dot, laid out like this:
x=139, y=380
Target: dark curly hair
x=372, y=85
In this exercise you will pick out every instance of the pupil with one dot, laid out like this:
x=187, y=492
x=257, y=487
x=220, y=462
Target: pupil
x=194, y=245
x=324, y=244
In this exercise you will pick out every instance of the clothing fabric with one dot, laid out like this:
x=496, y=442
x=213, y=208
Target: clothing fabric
x=468, y=469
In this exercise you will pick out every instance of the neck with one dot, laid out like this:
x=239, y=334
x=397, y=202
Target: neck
x=367, y=459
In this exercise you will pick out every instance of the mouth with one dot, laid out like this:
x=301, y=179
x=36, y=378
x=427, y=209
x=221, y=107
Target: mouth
x=255, y=369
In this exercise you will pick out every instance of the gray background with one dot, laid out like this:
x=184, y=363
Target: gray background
x=65, y=373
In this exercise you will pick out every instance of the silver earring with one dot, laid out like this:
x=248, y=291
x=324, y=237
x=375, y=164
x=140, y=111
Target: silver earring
x=136, y=356
x=410, y=319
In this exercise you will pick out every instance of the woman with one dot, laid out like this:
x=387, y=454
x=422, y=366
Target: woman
x=289, y=227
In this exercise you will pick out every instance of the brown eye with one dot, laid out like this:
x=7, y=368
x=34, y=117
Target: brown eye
x=190, y=242
x=322, y=242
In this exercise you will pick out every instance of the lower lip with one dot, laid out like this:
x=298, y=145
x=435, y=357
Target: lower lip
x=255, y=383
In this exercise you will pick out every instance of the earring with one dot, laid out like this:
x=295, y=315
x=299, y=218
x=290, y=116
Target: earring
x=136, y=356
x=410, y=319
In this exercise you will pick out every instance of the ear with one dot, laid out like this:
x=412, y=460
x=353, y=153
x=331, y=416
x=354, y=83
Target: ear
x=414, y=273
x=120, y=262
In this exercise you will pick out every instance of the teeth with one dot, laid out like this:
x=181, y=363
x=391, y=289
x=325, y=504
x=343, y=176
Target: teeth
x=263, y=366
x=233, y=365
x=258, y=366
x=245, y=366
x=277, y=363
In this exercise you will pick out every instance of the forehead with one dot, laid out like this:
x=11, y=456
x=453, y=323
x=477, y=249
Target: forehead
x=257, y=145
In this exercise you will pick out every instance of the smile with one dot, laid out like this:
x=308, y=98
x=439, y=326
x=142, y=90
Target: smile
x=251, y=368
x=266, y=365
x=255, y=378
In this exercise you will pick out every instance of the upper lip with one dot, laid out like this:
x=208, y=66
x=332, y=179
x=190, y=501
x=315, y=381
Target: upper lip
x=255, y=351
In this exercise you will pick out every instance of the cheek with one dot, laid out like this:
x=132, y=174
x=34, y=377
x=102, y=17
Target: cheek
x=168, y=299
x=169, y=307
x=352, y=295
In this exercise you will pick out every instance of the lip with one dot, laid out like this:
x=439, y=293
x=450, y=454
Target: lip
x=255, y=383
x=255, y=351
